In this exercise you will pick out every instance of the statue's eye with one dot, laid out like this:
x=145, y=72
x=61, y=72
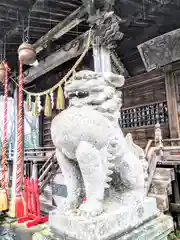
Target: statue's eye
x=82, y=94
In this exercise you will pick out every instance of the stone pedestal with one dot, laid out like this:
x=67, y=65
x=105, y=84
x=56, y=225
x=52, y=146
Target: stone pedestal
x=118, y=222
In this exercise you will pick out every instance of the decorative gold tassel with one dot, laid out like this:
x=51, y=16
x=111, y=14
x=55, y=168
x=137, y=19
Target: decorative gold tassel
x=36, y=112
x=28, y=108
x=60, y=102
x=47, y=107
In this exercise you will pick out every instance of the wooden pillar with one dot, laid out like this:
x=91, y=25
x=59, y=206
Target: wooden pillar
x=105, y=60
x=102, y=62
x=101, y=55
x=171, y=97
x=41, y=123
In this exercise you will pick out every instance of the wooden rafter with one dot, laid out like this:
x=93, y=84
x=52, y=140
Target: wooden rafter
x=57, y=58
x=119, y=65
x=60, y=29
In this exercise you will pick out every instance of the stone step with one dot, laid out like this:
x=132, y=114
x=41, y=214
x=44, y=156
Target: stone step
x=160, y=187
x=162, y=201
x=156, y=229
x=166, y=174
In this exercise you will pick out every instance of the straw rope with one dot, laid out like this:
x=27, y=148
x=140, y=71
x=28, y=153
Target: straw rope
x=66, y=77
x=5, y=129
x=20, y=132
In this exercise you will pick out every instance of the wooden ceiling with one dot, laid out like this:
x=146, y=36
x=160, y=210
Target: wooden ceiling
x=142, y=20
x=30, y=20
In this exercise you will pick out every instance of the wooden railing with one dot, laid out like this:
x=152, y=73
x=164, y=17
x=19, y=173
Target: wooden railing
x=48, y=170
x=34, y=152
x=32, y=156
x=144, y=115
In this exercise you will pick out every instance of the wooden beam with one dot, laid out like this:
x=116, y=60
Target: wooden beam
x=171, y=97
x=60, y=29
x=13, y=6
x=175, y=208
x=120, y=66
x=75, y=48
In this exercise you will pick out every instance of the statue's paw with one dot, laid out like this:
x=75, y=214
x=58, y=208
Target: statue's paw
x=91, y=208
x=68, y=206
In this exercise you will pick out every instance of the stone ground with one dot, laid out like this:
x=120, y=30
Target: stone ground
x=174, y=236
x=10, y=230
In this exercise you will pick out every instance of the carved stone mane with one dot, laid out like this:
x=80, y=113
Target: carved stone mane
x=139, y=152
x=90, y=89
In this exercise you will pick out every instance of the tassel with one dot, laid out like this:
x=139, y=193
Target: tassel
x=36, y=112
x=47, y=107
x=60, y=103
x=4, y=204
x=20, y=206
x=28, y=108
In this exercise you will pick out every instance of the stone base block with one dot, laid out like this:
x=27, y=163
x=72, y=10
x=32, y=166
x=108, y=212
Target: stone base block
x=119, y=223
x=155, y=229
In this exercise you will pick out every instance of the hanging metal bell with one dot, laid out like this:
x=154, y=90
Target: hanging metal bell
x=27, y=53
x=2, y=72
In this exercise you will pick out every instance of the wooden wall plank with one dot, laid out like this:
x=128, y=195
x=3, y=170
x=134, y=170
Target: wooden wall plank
x=146, y=88
x=146, y=92
x=145, y=77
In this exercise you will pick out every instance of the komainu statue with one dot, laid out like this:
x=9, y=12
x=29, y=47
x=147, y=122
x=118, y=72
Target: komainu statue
x=91, y=149
x=103, y=166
